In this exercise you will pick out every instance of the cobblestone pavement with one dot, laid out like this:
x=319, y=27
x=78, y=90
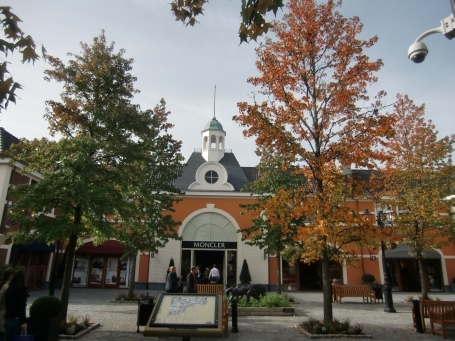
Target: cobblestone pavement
x=118, y=320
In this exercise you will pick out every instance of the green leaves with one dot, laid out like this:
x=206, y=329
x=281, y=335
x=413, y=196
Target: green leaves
x=15, y=40
x=253, y=23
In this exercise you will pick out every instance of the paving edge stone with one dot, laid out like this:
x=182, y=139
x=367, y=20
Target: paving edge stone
x=82, y=333
x=334, y=336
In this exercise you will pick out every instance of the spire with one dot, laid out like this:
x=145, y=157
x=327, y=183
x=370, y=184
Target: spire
x=214, y=97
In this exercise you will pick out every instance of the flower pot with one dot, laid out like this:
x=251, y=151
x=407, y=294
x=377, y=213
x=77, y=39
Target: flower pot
x=44, y=328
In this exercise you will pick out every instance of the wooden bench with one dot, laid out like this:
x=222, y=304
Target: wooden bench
x=363, y=291
x=442, y=313
x=210, y=289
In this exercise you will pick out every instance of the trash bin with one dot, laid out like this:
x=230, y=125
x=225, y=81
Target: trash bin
x=378, y=291
x=144, y=310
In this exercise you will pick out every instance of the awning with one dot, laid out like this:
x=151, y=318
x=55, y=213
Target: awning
x=35, y=246
x=111, y=247
x=401, y=251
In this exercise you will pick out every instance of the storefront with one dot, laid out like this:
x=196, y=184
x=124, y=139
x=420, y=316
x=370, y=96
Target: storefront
x=100, y=266
x=404, y=269
x=34, y=258
x=209, y=253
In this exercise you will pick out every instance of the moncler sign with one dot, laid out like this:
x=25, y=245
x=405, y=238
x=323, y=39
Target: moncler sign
x=208, y=245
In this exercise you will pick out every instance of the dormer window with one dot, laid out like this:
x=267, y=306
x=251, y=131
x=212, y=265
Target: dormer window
x=211, y=177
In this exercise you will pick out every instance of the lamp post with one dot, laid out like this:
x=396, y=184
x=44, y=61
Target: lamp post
x=384, y=219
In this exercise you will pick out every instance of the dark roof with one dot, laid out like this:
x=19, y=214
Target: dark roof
x=6, y=139
x=251, y=173
x=236, y=176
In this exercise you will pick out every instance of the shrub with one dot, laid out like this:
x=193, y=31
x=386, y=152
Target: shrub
x=315, y=326
x=368, y=278
x=267, y=301
x=245, y=277
x=46, y=306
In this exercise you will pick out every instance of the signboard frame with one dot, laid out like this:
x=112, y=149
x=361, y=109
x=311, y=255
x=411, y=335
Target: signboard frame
x=186, y=328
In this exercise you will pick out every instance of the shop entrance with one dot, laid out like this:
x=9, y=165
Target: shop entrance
x=311, y=274
x=206, y=258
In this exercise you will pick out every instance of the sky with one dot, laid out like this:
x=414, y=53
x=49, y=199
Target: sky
x=183, y=64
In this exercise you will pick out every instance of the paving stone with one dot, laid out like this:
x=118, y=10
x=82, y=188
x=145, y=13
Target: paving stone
x=118, y=321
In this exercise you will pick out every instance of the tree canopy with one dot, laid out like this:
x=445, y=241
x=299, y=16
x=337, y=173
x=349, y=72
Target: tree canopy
x=418, y=176
x=311, y=79
x=110, y=174
x=252, y=12
x=14, y=40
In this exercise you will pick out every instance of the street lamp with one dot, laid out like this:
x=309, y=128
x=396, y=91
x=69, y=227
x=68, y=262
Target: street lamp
x=384, y=219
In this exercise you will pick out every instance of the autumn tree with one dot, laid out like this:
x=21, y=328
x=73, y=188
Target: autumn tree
x=418, y=177
x=312, y=78
x=110, y=174
x=252, y=12
x=14, y=40
x=274, y=227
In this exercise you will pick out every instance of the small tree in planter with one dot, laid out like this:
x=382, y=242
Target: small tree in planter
x=44, y=320
x=245, y=277
x=368, y=279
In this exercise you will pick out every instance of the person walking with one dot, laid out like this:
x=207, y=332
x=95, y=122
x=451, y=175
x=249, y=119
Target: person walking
x=7, y=275
x=15, y=303
x=214, y=275
x=172, y=280
x=205, y=280
x=191, y=280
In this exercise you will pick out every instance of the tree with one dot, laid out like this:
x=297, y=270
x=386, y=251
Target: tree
x=253, y=23
x=312, y=78
x=245, y=277
x=14, y=39
x=417, y=178
x=110, y=175
x=274, y=229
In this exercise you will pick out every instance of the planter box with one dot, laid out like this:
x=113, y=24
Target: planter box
x=44, y=329
x=82, y=333
x=254, y=311
x=334, y=336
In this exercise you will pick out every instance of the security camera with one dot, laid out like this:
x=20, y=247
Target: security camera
x=417, y=52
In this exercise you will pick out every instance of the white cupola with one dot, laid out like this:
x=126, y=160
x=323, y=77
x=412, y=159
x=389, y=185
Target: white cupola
x=213, y=140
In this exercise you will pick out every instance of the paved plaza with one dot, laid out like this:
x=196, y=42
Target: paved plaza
x=118, y=320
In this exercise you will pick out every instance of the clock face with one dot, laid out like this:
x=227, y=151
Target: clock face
x=211, y=177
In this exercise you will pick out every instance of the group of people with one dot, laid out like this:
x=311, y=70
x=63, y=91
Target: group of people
x=13, y=302
x=193, y=278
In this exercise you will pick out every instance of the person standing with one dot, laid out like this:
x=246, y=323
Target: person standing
x=191, y=280
x=15, y=303
x=173, y=280
x=214, y=275
x=7, y=275
x=198, y=275
x=206, y=276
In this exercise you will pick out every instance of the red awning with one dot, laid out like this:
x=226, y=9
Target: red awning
x=111, y=247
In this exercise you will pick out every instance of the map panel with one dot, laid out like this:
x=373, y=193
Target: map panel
x=186, y=310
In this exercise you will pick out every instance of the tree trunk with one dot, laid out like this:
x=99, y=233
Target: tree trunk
x=278, y=273
x=423, y=276
x=131, y=276
x=327, y=289
x=67, y=275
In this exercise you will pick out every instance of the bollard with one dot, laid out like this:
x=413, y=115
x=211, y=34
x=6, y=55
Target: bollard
x=234, y=328
x=418, y=317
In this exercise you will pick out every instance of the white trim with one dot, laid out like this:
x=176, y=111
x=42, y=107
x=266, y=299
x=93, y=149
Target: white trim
x=345, y=272
x=210, y=208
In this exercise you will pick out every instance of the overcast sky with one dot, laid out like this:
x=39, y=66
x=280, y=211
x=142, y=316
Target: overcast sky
x=182, y=64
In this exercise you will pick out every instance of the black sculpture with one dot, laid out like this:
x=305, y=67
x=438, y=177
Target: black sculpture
x=254, y=290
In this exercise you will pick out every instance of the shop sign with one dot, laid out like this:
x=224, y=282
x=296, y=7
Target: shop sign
x=208, y=245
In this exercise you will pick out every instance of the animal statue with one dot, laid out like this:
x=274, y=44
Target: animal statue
x=255, y=291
